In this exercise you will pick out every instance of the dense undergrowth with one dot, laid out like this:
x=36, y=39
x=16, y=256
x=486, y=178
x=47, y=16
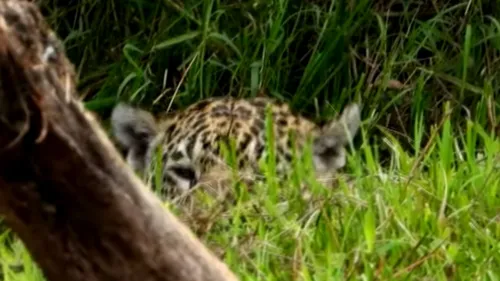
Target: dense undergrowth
x=422, y=199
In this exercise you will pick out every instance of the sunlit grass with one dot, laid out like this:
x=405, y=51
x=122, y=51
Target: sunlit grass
x=433, y=215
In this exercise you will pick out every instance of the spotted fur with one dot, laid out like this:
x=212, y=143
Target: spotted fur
x=190, y=138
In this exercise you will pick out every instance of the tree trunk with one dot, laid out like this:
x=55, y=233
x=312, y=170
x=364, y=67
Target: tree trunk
x=64, y=189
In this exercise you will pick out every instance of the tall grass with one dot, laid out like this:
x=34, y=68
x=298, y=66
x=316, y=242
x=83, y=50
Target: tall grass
x=421, y=193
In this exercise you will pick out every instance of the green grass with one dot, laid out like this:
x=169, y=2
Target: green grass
x=421, y=196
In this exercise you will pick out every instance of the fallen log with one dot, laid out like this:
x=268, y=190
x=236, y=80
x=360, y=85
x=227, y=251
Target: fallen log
x=64, y=190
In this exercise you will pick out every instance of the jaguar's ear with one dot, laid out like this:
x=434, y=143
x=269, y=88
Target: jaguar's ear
x=346, y=126
x=135, y=130
x=328, y=147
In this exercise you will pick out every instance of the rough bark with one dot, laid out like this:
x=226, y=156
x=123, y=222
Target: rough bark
x=64, y=189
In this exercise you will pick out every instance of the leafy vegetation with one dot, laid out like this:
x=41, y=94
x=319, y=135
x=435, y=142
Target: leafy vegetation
x=421, y=195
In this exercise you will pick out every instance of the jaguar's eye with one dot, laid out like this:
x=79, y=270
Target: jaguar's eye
x=185, y=173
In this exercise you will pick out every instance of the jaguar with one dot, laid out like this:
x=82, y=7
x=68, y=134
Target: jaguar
x=190, y=139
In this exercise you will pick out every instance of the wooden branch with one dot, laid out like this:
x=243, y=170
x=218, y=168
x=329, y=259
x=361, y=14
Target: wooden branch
x=64, y=189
